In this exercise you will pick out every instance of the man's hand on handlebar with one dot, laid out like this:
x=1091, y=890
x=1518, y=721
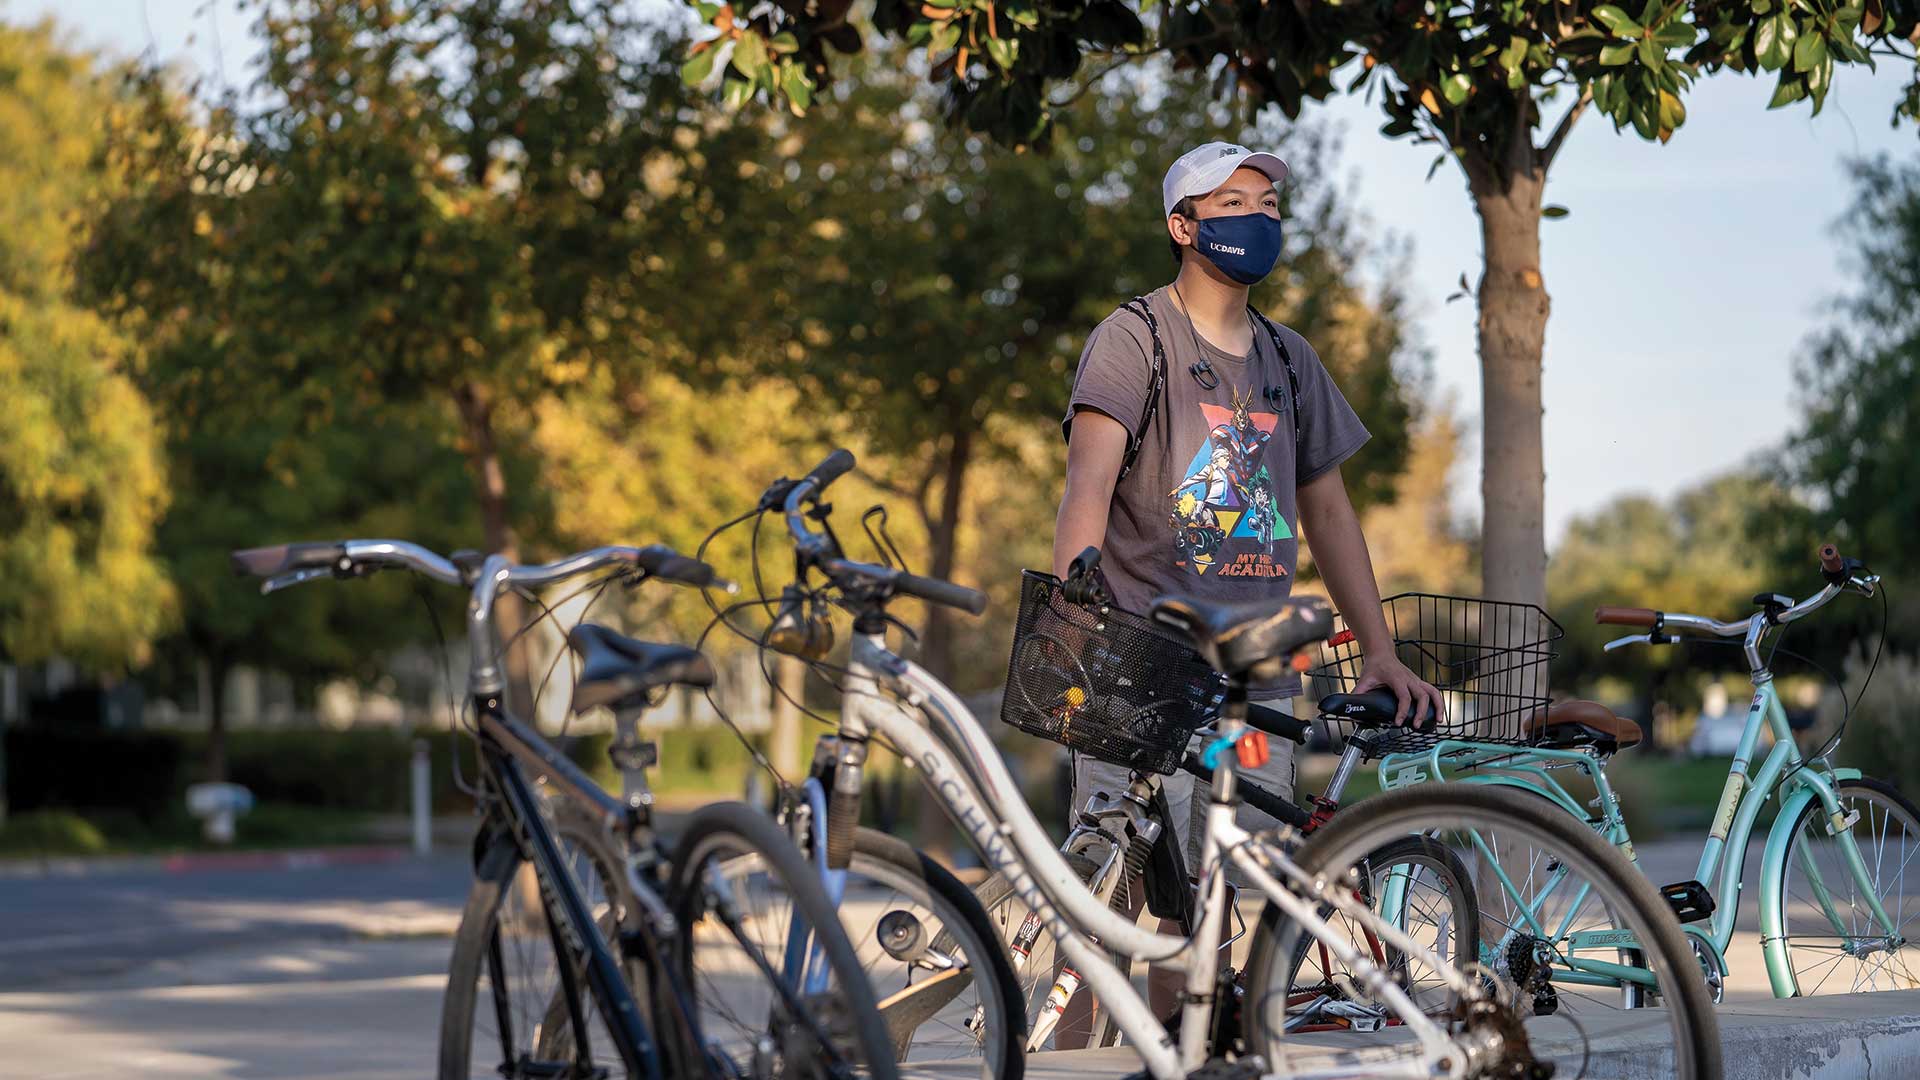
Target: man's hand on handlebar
x=1413, y=695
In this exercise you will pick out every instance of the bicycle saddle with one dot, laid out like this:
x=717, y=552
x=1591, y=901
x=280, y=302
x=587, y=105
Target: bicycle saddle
x=1581, y=723
x=1373, y=709
x=615, y=668
x=1238, y=638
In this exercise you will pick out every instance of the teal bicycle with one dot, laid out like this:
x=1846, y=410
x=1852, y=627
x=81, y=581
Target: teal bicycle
x=1834, y=914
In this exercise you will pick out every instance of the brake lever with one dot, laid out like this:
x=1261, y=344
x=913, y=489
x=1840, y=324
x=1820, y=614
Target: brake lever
x=297, y=577
x=1634, y=639
x=1865, y=586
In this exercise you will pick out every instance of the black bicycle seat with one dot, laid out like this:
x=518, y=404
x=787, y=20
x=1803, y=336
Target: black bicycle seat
x=615, y=668
x=1236, y=638
x=1373, y=709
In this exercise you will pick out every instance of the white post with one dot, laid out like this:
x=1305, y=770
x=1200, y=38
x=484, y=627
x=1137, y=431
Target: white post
x=422, y=798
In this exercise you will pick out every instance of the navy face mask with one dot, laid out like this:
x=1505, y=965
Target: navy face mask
x=1244, y=246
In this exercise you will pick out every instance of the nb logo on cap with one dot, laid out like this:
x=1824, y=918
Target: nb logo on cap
x=1230, y=151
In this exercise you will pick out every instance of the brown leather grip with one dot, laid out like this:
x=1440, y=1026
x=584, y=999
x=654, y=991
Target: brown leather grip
x=1626, y=616
x=1830, y=560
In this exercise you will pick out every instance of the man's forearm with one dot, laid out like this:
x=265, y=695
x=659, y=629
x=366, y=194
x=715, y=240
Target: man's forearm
x=1082, y=523
x=1340, y=553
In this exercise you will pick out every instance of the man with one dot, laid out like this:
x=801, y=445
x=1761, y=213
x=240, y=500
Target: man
x=1243, y=444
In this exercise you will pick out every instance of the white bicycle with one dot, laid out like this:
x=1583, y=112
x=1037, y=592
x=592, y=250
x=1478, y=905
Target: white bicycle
x=1316, y=890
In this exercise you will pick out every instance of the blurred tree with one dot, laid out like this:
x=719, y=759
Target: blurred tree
x=1861, y=385
x=1476, y=80
x=1706, y=551
x=81, y=474
x=1416, y=541
x=922, y=284
x=457, y=204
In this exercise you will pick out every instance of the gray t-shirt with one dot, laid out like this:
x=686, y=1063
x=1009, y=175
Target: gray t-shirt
x=1209, y=508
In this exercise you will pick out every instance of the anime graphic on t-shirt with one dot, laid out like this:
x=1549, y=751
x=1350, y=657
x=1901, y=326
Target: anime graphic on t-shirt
x=1228, y=492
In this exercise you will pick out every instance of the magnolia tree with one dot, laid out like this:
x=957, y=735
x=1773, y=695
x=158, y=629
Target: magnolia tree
x=1495, y=87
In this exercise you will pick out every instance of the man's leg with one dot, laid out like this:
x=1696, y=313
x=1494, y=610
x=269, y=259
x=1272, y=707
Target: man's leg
x=1075, y=1029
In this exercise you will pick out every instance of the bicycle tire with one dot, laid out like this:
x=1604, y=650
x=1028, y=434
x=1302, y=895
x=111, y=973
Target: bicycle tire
x=744, y=831
x=964, y=926
x=1372, y=823
x=1811, y=823
x=1457, y=882
x=498, y=865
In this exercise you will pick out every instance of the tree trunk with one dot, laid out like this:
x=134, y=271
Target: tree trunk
x=936, y=645
x=490, y=488
x=1513, y=329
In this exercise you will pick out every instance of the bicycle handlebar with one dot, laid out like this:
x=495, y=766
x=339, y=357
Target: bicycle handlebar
x=818, y=550
x=346, y=557
x=1840, y=572
x=1253, y=795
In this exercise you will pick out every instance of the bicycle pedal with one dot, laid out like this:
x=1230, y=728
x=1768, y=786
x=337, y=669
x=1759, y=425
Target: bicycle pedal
x=1689, y=900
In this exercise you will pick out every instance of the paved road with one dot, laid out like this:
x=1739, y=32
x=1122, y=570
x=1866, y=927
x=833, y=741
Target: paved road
x=57, y=931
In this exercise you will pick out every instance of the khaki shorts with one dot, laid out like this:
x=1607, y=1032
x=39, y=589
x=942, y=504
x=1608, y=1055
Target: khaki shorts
x=1190, y=814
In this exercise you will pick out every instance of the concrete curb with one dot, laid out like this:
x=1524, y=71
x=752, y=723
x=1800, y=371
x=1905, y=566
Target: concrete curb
x=203, y=861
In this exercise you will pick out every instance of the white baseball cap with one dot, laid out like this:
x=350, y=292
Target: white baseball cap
x=1205, y=167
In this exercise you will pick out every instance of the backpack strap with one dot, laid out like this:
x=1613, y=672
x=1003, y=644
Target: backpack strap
x=1157, y=368
x=1286, y=360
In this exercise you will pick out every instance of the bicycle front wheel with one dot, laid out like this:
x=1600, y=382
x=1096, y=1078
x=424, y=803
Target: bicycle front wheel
x=776, y=987
x=1417, y=884
x=1831, y=939
x=1591, y=875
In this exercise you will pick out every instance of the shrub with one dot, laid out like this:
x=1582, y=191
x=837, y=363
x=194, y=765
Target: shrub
x=50, y=832
x=1879, y=737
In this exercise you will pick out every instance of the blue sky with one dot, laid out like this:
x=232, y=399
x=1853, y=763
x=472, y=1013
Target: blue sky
x=1684, y=282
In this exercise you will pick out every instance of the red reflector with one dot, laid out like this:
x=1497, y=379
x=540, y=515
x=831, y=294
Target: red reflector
x=1252, y=749
x=1341, y=638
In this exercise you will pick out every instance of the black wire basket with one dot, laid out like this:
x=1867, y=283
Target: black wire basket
x=1488, y=658
x=1104, y=681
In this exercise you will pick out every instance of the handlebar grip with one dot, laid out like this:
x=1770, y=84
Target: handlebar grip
x=1277, y=724
x=935, y=591
x=667, y=564
x=1084, y=563
x=1830, y=559
x=1254, y=795
x=833, y=468
x=1627, y=616
x=280, y=558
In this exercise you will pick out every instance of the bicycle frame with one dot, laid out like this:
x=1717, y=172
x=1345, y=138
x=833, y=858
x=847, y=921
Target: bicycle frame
x=963, y=769
x=506, y=743
x=1801, y=781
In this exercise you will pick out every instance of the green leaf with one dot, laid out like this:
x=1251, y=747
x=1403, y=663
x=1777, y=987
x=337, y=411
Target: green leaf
x=1514, y=55
x=1769, y=44
x=1673, y=112
x=1003, y=51
x=1554, y=211
x=1617, y=53
x=1618, y=21
x=707, y=10
x=945, y=37
x=1023, y=14
x=695, y=71
x=919, y=32
x=1809, y=52
x=738, y=92
x=1789, y=91
x=1650, y=55
x=1675, y=34
x=798, y=88
x=943, y=3
x=784, y=42
x=750, y=55
x=1455, y=88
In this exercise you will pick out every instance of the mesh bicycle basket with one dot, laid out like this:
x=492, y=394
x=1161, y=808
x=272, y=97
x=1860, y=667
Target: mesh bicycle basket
x=1104, y=681
x=1488, y=658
